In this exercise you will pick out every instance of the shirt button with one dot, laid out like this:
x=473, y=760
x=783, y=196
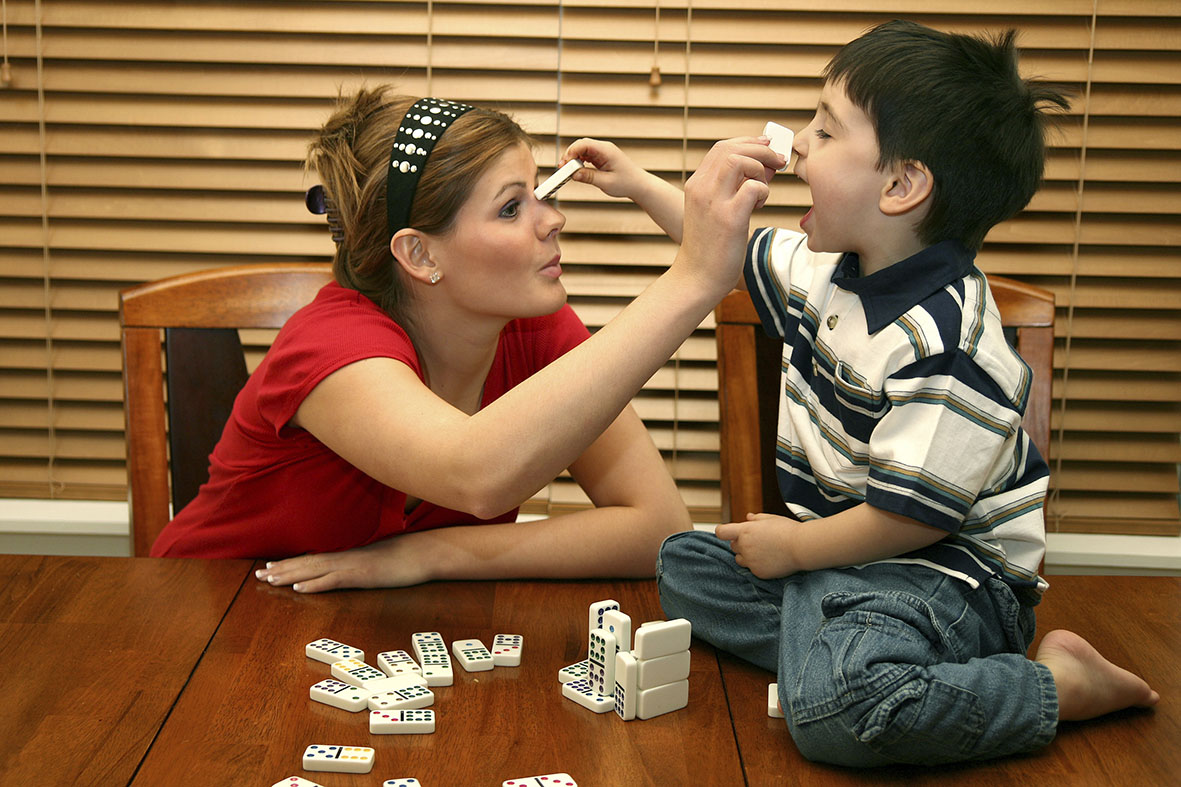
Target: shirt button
x=832, y=321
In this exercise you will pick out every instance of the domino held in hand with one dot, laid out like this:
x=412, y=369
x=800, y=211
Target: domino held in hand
x=781, y=139
x=558, y=179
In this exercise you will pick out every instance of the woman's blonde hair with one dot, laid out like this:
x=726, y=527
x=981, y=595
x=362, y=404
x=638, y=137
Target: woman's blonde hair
x=351, y=155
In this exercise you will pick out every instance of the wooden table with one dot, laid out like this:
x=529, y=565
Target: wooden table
x=166, y=672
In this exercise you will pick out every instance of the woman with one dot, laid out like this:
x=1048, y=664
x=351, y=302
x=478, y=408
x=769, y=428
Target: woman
x=400, y=419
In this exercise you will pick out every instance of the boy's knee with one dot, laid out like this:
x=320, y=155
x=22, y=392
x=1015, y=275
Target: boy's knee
x=685, y=550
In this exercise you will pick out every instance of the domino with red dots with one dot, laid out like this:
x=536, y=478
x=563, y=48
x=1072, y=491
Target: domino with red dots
x=338, y=759
x=506, y=650
x=549, y=780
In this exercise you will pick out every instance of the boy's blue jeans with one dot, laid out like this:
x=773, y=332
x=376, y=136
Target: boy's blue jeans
x=891, y=663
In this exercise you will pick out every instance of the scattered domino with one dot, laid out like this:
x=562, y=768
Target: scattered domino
x=360, y=674
x=781, y=139
x=295, y=781
x=396, y=662
x=662, y=670
x=549, y=780
x=602, y=661
x=340, y=759
x=408, y=698
x=580, y=691
x=558, y=179
x=773, y=709
x=472, y=655
x=620, y=625
x=626, y=674
x=662, y=638
x=506, y=650
x=401, y=783
x=571, y=672
x=662, y=699
x=339, y=694
x=431, y=652
x=401, y=722
x=330, y=651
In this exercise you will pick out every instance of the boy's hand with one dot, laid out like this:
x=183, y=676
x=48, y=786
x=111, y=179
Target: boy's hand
x=719, y=199
x=763, y=544
x=613, y=172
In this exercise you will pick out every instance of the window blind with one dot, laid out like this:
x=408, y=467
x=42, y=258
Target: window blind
x=144, y=139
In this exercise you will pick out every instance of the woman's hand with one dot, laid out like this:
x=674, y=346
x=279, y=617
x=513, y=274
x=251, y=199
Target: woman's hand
x=392, y=562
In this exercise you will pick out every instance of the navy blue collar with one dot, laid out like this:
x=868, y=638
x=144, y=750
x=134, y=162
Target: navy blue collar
x=896, y=289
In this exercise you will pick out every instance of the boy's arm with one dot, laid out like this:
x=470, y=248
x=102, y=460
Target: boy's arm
x=617, y=175
x=775, y=546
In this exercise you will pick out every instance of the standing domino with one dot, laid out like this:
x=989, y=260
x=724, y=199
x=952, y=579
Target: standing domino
x=781, y=139
x=506, y=650
x=662, y=699
x=340, y=759
x=472, y=655
x=773, y=708
x=662, y=670
x=558, y=179
x=602, y=661
x=662, y=638
x=620, y=625
x=549, y=780
x=401, y=722
x=330, y=651
x=598, y=609
x=626, y=685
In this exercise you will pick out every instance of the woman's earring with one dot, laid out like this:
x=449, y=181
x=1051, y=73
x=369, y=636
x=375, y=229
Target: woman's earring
x=435, y=276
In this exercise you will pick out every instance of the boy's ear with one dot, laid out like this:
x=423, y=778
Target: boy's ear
x=409, y=248
x=909, y=185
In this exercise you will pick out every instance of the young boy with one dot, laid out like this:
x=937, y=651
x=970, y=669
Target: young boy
x=896, y=607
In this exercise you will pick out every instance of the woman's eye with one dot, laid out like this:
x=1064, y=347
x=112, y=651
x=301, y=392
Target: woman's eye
x=510, y=210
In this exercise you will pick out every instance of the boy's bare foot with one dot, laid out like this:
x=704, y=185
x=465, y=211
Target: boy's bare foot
x=1088, y=684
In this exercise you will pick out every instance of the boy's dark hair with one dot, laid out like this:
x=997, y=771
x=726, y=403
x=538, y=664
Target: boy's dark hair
x=957, y=104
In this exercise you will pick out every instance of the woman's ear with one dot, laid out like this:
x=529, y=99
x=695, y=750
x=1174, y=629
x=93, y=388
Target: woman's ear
x=409, y=248
x=908, y=188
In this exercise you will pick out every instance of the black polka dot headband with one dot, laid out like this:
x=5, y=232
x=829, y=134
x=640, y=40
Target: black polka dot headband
x=418, y=132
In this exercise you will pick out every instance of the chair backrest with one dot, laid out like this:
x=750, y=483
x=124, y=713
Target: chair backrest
x=749, y=365
x=199, y=315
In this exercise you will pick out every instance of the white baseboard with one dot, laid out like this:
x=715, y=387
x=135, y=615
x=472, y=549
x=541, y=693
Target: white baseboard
x=96, y=527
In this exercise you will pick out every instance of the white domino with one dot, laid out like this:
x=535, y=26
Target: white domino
x=549, y=780
x=403, y=782
x=626, y=687
x=330, y=651
x=773, y=709
x=396, y=662
x=602, y=661
x=580, y=691
x=558, y=179
x=571, y=672
x=401, y=722
x=472, y=655
x=598, y=609
x=620, y=625
x=662, y=670
x=339, y=759
x=662, y=638
x=506, y=650
x=360, y=674
x=408, y=698
x=431, y=652
x=662, y=699
x=781, y=139
x=295, y=781
x=341, y=695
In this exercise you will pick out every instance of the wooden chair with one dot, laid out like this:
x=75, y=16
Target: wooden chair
x=749, y=363
x=199, y=315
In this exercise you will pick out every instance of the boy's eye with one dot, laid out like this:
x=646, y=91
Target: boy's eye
x=822, y=134
x=510, y=210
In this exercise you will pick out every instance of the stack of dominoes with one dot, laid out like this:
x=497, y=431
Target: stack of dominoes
x=640, y=680
x=396, y=695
